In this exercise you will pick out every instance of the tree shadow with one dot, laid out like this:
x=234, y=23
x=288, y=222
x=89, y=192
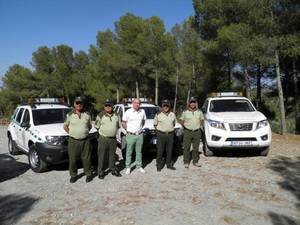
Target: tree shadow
x=13, y=207
x=289, y=169
x=10, y=168
x=278, y=219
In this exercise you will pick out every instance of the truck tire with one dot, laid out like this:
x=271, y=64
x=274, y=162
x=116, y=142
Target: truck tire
x=35, y=162
x=264, y=151
x=12, y=148
x=207, y=150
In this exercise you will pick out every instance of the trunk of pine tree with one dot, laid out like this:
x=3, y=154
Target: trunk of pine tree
x=137, y=92
x=280, y=94
x=176, y=89
x=189, y=93
x=297, y=99
x=258, y=87
x=247, y=85
x=156, y=87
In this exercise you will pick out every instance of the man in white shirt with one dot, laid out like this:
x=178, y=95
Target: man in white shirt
x=133, y=122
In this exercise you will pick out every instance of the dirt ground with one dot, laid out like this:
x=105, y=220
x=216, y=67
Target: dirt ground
x=230, y=189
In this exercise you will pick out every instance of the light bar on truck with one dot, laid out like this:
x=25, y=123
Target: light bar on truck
x=226, y=94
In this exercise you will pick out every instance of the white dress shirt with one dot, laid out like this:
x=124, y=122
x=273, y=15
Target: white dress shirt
x=134, y=120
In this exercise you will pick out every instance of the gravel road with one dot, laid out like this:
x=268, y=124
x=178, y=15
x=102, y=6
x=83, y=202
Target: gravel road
x=229, y=189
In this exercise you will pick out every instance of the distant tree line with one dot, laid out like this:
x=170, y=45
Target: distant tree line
x=239, y=45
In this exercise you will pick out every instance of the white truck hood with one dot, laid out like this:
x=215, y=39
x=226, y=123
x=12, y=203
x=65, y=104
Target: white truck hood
x=254, y=116
x=56, y=129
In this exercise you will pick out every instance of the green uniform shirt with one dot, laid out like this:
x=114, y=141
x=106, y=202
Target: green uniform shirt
x=107, y=125
x=165, y=122
x=192, y=119
x=78, y=127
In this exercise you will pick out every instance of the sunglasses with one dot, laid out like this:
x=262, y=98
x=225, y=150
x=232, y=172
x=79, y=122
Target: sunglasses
x=166, y=106
x=107, y=105
x=192, y=102
x=78, y=103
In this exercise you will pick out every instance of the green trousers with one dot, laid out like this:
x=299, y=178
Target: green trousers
x=164, y=143
x=106, y=145
x=79, y=150
x=137, y=142
x=191, y=137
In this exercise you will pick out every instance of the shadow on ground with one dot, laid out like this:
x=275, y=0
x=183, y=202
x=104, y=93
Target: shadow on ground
x=289, y=170
x=13, y=207
x=10, y=168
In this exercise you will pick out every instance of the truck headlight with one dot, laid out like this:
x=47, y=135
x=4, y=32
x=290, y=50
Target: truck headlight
x=55, y=140
x=216, y=124
x=262, y=124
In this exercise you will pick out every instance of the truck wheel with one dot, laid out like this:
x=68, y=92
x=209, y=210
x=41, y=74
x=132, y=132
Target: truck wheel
x=12, y=148
x=265, y=151
x=207, y=150
x=35, y=162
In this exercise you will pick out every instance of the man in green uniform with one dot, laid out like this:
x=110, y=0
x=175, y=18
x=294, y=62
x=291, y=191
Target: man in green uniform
x=78, y=125
x=107, y=123
x=191, y=120
x=164, y=123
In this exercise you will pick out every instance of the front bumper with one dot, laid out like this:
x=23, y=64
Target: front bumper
x=52, y=153
x=218, y=138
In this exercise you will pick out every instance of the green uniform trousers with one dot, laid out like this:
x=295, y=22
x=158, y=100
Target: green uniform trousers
x=164, y=143
x=191, y=137
x=79, y=149
x=137, y=142
x=106, y=144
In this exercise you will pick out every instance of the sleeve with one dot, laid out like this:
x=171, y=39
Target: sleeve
x=97, y=122
x=175, y=119
x=201, y=116
x=67, y=120
x=155, y=120
x=182, y=116
x=90, y=122
x=144, y=115
x=125, y=116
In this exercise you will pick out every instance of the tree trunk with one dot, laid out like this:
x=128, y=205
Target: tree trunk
x=176, y=89
x=156, y=87
x=247, y=86
x=280, y=94
x=258, y=87
x=194, y=81
x=229, y=73
x=296, y=94
x=189, y=93
x=137, y=92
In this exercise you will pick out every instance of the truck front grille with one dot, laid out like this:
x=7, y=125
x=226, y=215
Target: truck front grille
x=241, y=126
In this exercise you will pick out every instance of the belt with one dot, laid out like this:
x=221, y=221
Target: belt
x=168, y=132
x=108, y=137
x=134, y=133
x=192, y=130
x=78, y=139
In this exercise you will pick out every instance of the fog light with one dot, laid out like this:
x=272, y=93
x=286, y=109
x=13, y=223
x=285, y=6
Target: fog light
x=215, y=138
x=264, y=138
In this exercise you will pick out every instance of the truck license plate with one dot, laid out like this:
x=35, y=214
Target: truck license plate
x=241, y=143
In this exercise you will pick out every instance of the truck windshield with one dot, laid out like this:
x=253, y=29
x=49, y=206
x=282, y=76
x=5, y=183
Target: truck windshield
x=150, y=111
x=231, y=105
x=49, y=116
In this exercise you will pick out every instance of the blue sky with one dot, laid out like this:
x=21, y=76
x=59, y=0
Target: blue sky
x=26, y=25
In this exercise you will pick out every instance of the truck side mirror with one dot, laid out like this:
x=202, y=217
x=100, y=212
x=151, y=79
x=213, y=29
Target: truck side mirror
x=25, y=124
